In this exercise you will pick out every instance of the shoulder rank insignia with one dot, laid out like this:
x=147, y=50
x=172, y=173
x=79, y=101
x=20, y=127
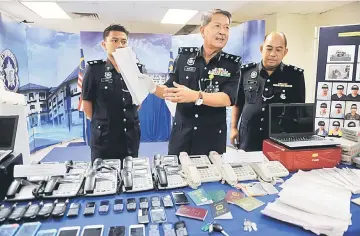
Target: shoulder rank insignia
x=231, y=57
x=294, y=68
x=188, y=50
x=248, y=66
x=95, y=62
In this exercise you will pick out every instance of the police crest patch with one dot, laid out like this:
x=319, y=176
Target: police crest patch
x=9, y=71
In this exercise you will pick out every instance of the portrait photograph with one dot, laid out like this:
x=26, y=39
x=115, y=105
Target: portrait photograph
x=351, y=123
x=339, y=72
x=338, y=92
x=335, y=126
x=353, y=92
x=352, y=110
x=324, y=91
x=341, y=53
x=337, y=109
x=322, y=127
x=358, y=72
x=323, y=109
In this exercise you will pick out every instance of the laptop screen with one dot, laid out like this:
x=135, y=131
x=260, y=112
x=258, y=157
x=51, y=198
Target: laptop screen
x=291, y=119
x=8, y=128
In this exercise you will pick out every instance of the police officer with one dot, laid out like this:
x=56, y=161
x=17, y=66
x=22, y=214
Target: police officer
x=203, y=83
x=115, y=128
x=269, y=81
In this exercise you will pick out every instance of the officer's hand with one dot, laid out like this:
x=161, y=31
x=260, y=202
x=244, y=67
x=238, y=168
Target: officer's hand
x=181, y=94
x=148, y=82
x=234, y=135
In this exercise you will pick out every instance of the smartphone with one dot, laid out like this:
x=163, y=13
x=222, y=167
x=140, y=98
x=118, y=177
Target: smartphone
x=143, y=216
x=137, y=230
x=73, y=210
x=180, y=228
x=144, y=203
x=89, y=209
x=59, y=209
x=104, y=207
x=18, y=213
x=131, y=204
x=180, y=198
x=5, y=212
x=155, y=201
x=28, y=229
x=9, y=230
x=93, y=230
x=32, y=212
x=168, y=203
x=48, y=232
x=117, y=231
x=69, y=231
x=119, y=205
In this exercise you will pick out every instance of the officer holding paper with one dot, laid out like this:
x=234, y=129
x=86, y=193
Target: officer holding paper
x=203, y=83
x=115, y=128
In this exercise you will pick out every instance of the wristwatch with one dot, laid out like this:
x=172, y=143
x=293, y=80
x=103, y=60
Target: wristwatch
x=200, y=100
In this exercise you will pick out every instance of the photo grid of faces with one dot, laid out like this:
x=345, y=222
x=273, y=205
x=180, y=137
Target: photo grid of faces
x=338, y=98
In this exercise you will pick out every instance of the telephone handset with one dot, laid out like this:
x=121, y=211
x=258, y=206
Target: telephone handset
x=137, y=174
x=268, y=171
x=22, y=189
x=189, y=171
x=54, y=180
x=166, y=172
x=161, y=176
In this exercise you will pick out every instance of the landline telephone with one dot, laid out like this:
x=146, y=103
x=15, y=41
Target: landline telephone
x=136, y=174
x=232, y=173
x=103, y=177
x=197, y=169
x=166, y=172
x=23, y=189
x=269, y=171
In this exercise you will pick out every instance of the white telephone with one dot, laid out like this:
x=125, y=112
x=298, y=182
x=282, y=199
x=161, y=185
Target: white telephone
x=137, y=174
x=232, y=173
x=269, y=171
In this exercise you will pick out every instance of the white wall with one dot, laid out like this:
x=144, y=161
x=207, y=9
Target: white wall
x=300, y=32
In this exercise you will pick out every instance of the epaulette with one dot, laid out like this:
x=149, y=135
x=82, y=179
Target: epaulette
x=231, y=57
x=95, y=62
x=291, y=67
x=188, y=50
x=248, y=66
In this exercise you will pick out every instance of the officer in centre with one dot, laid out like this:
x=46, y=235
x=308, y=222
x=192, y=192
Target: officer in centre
x=270, y=81
x=203, y=83
x=115, y=127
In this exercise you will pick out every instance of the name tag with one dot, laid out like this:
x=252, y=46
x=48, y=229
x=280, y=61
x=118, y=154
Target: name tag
x=189, y=69
x=106, y=80
x=252, y=82
x=284, y=85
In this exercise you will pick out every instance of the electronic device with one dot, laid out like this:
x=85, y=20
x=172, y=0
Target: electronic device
x=118, y=205
x=59, y=209
x=89, y=209
x=69, y=231
x=168, y=229
x=74, y=210
x=93, y=230
x=5, y=212
x=166, y=172
x=137, y=230
x=168, y=203
x=154, y=230
x=28, y=229
x=144, y=203
x=137, y=174
x=117, y=231
x=18, y=213
x=8, y=127
x=46, y=209
x=47, y=232
x=269, y=171
x=7, y=166
x=32, y=211
x=180, y=198
x=180, y=228
x=158, y=215
x=104, y=207
x=103, y=178
x=143, y=216
x=292, y=125
x=232, y=173
x=131, y=204
x=155, y=201
x=9, y=230
x=23, y=189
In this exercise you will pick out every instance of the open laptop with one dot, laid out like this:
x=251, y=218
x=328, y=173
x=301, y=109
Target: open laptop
x=292, y=125
x=8, y=128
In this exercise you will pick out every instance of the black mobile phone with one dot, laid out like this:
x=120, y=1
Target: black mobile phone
x=119, y=205
x=59, y=209
x=104, y=207
x=180, y=228
x=180, y=198
x=131, y=204
x=46, y=209
x=18, y=213
x=89, y=209
x=5, y=212
x=74, y=210
x=117, y=231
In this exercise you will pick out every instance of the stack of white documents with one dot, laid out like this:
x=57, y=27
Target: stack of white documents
x=317, y=200
x=126, y=61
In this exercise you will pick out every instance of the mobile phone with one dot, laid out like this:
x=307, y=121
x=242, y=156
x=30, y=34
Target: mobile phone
x=137, y=230
x=93, y=230
x=28, y=229
x=74, y=210
x=131, y=204
x=69, y=231
x=5, y=212
x=144, y=203
x=89, y=209
x=117, y=231
x=18, y=213
x=180, y=228
x=104, y=207
x=59, y=209
x=119, y=205
x=167, y=201
x=143, y=216
x=180, y=198
x=46, y=209
x=48, y=232
x=9, y=230
x=32, y=212
x=155, y=201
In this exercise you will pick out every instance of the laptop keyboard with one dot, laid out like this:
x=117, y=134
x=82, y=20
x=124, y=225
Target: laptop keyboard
x=2, y=153
x=296, y=139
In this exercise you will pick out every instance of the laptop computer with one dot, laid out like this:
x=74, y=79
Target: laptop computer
x=8, y=128
x=292, y=125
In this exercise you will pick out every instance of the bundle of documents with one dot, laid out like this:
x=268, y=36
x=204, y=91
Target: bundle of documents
x=349, y=148
x=351, y=133
x=126, y=61
x=317, y=200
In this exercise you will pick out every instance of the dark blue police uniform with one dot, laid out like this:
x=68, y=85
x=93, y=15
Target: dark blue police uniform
x=200, y=129
x=115, y=126
x=256, y=91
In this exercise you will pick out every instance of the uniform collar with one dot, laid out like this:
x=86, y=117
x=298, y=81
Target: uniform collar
x=108, y=65
x=216, y=57
x=279, y=67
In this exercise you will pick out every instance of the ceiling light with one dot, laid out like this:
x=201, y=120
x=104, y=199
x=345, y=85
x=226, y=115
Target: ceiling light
x=47, y=10
x=178, y=16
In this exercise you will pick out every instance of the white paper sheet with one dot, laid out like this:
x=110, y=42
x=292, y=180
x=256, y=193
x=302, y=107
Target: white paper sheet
x=238, y=157
x=172, y=107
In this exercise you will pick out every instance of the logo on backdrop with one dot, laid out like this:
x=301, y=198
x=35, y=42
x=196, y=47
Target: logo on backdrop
x=9, y=71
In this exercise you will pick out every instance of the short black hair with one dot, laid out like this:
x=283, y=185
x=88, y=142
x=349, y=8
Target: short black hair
x=285, y=39
x=114, y=28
